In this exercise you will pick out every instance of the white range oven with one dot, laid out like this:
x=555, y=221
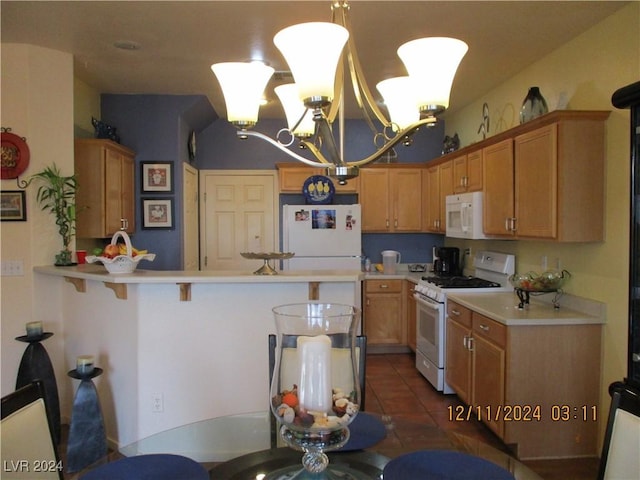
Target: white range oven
x=492, y=272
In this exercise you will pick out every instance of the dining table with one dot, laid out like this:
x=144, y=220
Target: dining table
x=247, y=446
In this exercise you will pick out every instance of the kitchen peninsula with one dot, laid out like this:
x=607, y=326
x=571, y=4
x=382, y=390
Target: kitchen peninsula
x=177, y=346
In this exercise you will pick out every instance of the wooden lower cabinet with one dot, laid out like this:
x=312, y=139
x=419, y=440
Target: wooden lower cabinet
x=536, y=386
x=384, y=317
x=458, y=372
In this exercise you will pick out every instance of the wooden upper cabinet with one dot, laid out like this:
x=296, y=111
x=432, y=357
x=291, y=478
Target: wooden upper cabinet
x=467, y=172
x=291, y=178
x=437, y=184
x=391, y=199
x=541, y=180
x=106, y=188
x=498, y=173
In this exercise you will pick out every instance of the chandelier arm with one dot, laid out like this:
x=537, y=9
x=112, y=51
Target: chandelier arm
x=322, y=162
x=357, y=75
x=400, y=137
x=325, y=133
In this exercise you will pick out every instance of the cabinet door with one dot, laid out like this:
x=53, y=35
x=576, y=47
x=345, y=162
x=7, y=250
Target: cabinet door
x=374, y=198
x=431, y=200
x=459, y=174
x=406, y=199
x=488, y=382
x=536, y=183
x=113, y=191
x=498, y=177
x=383, y=319
x=128, y=194
x=474, y=171
x=446, y=188
x=291, y=178
x=458, y=371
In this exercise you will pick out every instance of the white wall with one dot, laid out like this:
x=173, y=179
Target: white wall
x=587, y=70
x=37, y=103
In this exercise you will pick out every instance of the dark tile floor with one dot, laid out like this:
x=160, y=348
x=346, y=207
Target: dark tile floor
x=395, y=388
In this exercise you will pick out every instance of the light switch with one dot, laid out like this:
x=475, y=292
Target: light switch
x=12, y=268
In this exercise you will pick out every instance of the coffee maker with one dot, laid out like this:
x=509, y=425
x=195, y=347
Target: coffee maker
x=446, y=261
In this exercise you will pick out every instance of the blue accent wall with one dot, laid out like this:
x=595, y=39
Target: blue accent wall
x=157, y=128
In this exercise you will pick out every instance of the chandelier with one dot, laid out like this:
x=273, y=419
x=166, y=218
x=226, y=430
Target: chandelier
x=318, y=53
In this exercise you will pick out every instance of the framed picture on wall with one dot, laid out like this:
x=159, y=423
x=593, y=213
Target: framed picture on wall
x=157, y=177
x=157, y=213
x=13, y=206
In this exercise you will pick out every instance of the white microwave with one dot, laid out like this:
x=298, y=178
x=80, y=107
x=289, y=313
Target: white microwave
x=464, y=216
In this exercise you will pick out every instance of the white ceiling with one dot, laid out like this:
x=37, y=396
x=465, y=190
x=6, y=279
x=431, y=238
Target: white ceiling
x=179, y=40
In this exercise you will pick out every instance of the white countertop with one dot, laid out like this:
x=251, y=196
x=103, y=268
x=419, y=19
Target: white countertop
x=98, y=273
x=503, y=307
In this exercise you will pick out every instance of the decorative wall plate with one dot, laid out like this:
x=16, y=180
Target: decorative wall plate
x=15, y=155
x=318, y=189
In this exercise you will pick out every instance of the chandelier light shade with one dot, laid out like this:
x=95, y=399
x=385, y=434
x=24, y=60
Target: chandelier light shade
x=242, y=86
x=299, y=118
x=320, y=55
x=312, y=51
x=432, y=64
x=400, y=98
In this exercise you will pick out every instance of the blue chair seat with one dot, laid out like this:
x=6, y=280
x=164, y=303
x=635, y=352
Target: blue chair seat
x=150, y=467
x=443, y=465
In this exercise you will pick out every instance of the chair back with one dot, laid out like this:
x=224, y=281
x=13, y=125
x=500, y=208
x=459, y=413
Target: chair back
x=620, y=459
x=28, y=448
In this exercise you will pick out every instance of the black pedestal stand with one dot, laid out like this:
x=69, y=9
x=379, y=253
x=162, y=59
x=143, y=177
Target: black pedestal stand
x=87, y=437
x=36, y=364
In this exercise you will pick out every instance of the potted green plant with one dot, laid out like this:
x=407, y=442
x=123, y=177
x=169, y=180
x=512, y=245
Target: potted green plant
x=56, y=195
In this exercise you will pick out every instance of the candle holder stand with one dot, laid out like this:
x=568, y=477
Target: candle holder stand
x=87, y=437
x=36, y=364
x=315, y=392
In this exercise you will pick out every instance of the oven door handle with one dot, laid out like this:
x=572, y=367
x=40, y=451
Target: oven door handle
x=427, y=303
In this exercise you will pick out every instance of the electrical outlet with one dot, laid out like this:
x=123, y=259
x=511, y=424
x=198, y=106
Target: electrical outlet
x=12, y=268
x=158, y=403
x=467, y=251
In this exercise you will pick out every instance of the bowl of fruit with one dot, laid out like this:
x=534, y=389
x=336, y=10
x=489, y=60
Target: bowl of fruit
x=549, y=281
x=120, y=258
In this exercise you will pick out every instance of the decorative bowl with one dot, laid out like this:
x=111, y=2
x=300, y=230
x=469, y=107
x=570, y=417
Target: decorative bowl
x=121, y=263
x=549, y=281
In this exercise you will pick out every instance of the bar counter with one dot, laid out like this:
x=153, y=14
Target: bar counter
x=176, y=346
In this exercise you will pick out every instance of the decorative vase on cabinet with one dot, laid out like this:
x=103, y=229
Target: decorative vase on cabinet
x=533, y=106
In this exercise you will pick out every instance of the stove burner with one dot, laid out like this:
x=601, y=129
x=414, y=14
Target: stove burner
x=461, y=282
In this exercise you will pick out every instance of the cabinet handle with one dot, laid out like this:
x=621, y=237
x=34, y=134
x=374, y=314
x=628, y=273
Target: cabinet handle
x=484, y=328
x=513, y=224
x=455, y=312
x=123, y=224
x=387, y=223
x=465, y=340
x=470, y=344
x=384, y=285
x=395, y=223
x=507, y=222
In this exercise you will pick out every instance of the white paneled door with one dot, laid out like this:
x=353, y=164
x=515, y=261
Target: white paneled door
x=190, y=214
x=238, y=213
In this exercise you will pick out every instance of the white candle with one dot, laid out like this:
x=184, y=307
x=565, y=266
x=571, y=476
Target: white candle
x=84, y=364
x=34, y=329
x=314, y=388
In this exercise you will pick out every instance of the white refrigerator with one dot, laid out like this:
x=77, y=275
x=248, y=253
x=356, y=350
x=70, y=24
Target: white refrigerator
x=323, y=237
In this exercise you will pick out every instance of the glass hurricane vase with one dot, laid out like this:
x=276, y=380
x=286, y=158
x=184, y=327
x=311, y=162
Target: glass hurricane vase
x=315, y=393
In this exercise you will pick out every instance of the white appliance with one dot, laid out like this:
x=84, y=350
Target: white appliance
x=492, y=271
x=323, y=237
x=464, y=215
